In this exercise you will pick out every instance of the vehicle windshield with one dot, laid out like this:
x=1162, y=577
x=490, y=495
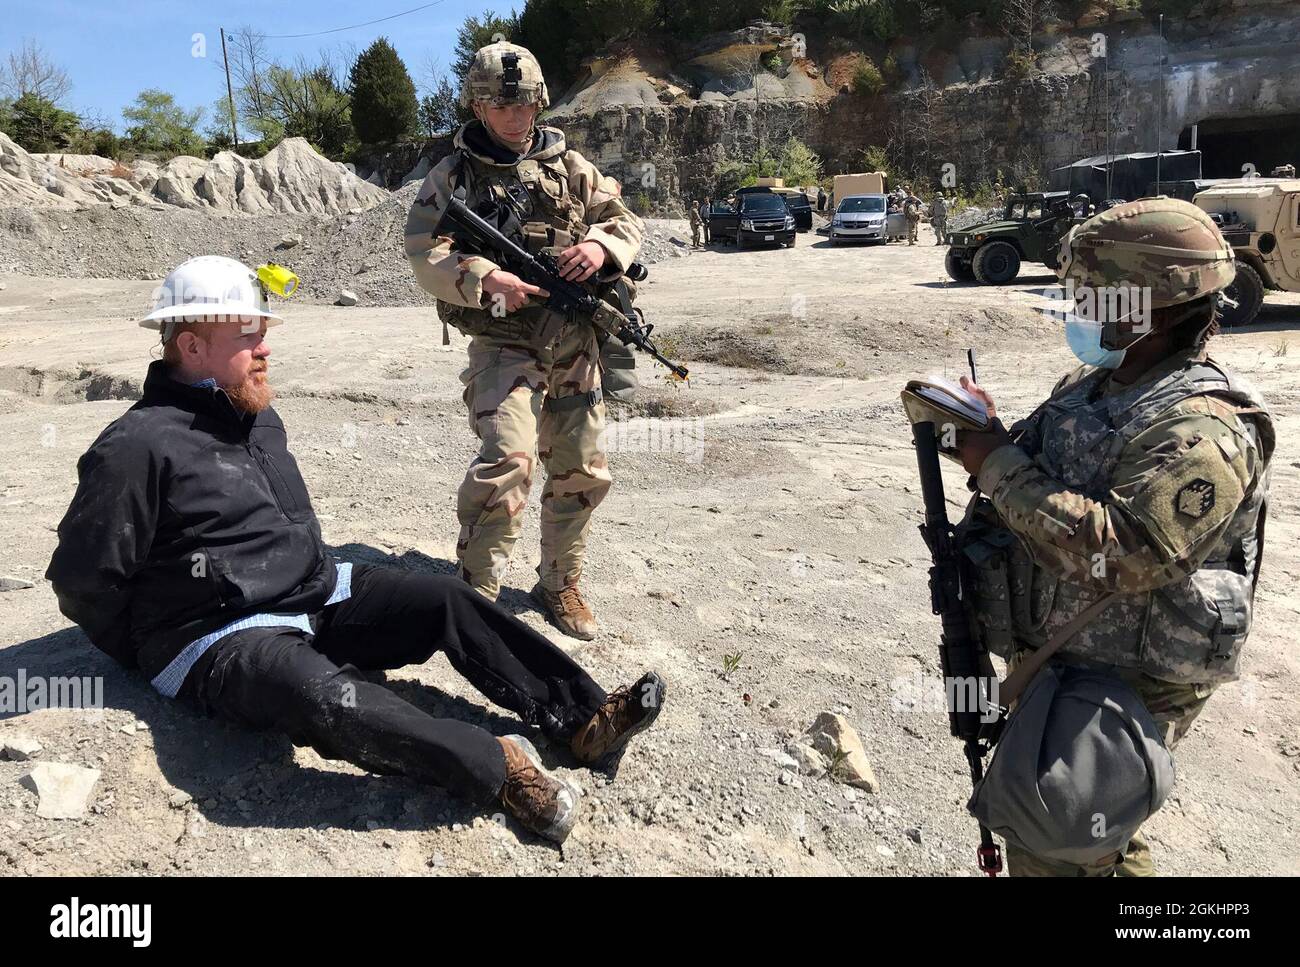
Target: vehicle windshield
x=762, y=203
x=876, y=204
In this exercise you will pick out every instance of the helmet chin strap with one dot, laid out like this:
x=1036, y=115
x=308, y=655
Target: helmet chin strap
x=1110, y=329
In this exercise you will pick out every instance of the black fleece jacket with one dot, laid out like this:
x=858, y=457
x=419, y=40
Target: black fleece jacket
x=189, y=514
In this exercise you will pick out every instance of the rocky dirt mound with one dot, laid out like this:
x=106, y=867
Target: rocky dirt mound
x=291, y=178
x=360, y=250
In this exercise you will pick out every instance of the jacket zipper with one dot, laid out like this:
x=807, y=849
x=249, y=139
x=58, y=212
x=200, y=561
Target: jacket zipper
x=269, y=482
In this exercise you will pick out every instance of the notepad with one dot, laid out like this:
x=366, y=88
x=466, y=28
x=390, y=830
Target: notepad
x=941, y=401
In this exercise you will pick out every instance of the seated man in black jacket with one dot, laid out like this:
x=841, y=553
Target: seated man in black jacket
x=191, y=551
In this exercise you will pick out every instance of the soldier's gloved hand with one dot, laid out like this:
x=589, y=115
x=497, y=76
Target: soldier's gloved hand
x=578, y=263
x=506, y=288
x=973, y=448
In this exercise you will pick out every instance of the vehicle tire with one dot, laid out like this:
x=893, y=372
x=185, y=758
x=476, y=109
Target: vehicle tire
x=996, y=263
x=1247, y=290
x=958, y=270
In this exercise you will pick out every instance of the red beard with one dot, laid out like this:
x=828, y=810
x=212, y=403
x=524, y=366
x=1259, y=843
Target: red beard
x=254, y=394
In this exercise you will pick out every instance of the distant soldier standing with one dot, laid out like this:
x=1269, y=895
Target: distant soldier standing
x=939, y=218
x=697, y=223
x=1135, y=498
x=911, y=212
x=705, y=207
x=533, y=385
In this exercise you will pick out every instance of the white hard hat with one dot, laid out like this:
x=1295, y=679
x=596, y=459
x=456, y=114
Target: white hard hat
x=210, y=288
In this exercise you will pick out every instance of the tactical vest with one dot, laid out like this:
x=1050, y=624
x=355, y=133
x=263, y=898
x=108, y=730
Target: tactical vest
x=552, y=220
x=1189, y=631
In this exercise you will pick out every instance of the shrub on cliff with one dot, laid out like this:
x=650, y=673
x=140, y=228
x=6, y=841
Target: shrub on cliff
x=867, y=79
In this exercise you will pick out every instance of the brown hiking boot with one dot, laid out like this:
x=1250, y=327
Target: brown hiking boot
x=546, y=805
x=624, y=713
x=568, y=610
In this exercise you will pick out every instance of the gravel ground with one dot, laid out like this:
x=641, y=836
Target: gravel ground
x=765, y=560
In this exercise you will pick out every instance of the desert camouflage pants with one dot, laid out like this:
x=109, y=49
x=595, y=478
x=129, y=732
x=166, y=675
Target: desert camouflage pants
x=912, y=225
x=524, y=404
x=940, y=231
x=1174, y=707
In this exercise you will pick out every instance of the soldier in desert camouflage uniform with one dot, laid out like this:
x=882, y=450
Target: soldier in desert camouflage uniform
x=1143, y=476
x=533, y=385
x=911, y=212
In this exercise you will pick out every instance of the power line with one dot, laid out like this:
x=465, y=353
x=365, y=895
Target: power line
x=336, y=30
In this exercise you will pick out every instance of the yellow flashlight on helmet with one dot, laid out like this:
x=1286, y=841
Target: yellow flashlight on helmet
x=277, y=279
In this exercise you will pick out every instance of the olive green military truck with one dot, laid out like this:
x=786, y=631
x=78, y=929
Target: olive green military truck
x=1030, y=230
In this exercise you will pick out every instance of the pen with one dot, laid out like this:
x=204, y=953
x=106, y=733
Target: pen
x=970, y=358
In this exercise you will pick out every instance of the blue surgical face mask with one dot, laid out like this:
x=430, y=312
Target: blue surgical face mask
x=1083, y=336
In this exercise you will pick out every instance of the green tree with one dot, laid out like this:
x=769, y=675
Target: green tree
x=551, y=30
x=37, y=124
x=867, y=79
x=159, y=124
x=476, y=32
x=384, y=106
x=875, y=158
x=798, y=164
x=438, y=110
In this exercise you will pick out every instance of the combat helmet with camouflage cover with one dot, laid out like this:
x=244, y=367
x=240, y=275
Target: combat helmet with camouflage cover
x=1165, y=245
x=505, y=73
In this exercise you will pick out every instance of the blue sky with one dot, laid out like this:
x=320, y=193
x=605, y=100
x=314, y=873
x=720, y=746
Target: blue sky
x=114, y=49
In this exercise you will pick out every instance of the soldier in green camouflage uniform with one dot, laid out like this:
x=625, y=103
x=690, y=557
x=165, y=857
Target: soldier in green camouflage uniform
x=939, y=217
x=1144, y=477
x=533, y=384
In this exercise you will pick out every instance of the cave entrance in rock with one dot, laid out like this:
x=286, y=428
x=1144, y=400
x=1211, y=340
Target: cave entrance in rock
x=1226, y=144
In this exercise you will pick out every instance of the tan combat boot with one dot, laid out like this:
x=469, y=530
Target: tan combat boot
x=624, y=713
x=568, y=610
x=546, y=805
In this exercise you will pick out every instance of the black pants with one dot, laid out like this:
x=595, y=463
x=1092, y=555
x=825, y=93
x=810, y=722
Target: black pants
x=310, y=687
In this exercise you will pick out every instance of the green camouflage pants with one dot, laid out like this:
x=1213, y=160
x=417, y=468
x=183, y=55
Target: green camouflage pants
x=1174, y=707
x=525, y=403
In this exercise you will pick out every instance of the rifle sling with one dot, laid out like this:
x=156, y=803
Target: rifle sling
x=1024, y=673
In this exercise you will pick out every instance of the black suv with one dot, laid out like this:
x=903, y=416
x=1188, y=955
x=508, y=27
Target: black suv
x=758, y=216
x=800, y=208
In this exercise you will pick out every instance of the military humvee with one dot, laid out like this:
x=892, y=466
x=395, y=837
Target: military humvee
x=1030, y=230
x=1260, y=218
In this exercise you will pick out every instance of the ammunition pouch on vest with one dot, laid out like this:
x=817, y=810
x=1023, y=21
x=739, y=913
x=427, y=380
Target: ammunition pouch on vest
x=540, y=214
x=617, y=360
x=989, y=578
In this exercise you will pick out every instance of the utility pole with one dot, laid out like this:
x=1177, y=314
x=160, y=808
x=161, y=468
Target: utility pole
x=230, y=95
x=1160, y=123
